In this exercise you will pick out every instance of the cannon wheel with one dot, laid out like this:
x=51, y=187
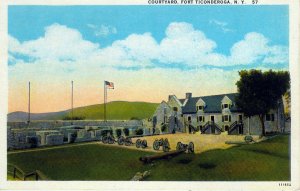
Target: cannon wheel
x=166, y=145
x=178, y=146
x=128, y=141
x=121, y=140
x=111, y=140
x=156, y=145
x=161, y=142
x=105, y=139
x=191, y=147
x=248, y=138
x=138, y=143
x=144, y=144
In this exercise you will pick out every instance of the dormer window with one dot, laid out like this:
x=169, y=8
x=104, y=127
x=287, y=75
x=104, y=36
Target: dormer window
x=225, y=105
x=200, y=108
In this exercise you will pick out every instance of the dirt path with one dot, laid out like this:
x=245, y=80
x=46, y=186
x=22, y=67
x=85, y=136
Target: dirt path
x=201, y=142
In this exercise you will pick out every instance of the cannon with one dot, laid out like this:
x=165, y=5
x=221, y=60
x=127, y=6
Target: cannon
x=185, y=147
x=108, y=139
x=128, y=142
x=122, y=140
x=165, y=155
x=141, y=143
x=161, y=142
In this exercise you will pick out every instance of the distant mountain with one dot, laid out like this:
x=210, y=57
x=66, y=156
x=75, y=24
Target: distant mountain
x=117, y=110
x=23, y=116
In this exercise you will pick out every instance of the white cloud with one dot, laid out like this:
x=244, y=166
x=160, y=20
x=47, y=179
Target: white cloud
x=277, y=55
x=62, y=55
x=138, y=47
x=103, y=30
x=58, y=43
x=183, y=45
x=255, y=48
x=222, y=25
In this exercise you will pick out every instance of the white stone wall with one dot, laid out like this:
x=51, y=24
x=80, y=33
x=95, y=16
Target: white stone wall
x=49, y=124
x=53, y=139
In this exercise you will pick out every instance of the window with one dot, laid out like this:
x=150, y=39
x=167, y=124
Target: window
x=175, y=109
x=200, y=108
x=270, y=117
x=226, y=127
x=165, y=110
x=165, y=119
x=225, y=105
x=226, y=118
x=240, y=117
x=189, y=118
x=201, y=118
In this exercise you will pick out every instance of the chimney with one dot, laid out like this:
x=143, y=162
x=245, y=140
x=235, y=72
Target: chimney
x=170, y=96
x=188, y=95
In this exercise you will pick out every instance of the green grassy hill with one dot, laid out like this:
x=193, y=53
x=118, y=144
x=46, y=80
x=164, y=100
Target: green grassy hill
x=264, y=161
x=117, y=110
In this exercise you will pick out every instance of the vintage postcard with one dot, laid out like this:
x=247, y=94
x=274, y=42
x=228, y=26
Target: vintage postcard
x=150, y=94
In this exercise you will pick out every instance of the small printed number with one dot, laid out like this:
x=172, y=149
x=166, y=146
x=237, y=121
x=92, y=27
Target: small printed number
x=285, y=184
x=254, y=1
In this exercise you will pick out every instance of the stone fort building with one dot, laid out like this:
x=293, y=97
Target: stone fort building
x=213, y=115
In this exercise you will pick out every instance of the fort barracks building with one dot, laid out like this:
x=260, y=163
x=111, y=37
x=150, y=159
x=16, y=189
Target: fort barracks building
x=213, y=115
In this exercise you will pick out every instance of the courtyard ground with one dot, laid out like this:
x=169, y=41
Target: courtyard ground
x=201, y=142
x=267, y=160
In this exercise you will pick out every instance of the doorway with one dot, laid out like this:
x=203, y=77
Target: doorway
x=212, y=118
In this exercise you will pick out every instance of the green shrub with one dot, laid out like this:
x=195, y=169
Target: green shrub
x=163, y=127
x=119, y=132
x=74, y=118
x=139, y=132
x=105, y=132
x=135, y=118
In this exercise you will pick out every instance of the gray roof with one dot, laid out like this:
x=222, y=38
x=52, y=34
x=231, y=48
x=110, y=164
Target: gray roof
x=213, y=104
x=181, y=100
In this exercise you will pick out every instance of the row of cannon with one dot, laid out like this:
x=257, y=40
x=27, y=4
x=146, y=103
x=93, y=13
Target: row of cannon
x=124, y=141
x=157, y=144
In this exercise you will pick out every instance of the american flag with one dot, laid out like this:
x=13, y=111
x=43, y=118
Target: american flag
x=110, y=85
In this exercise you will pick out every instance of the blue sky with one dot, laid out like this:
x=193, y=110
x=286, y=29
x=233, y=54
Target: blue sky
x=170, y=49
x=267, y=20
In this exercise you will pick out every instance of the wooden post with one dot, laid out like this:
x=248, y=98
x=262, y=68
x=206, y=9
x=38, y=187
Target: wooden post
x=15, y=172
x=249, y=125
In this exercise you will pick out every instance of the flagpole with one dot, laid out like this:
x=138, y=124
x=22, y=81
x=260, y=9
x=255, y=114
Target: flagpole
x=29, y=102
x=72, y=97
x=104, y=102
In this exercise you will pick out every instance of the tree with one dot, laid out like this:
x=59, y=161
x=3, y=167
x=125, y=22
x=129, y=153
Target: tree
x=259, y=92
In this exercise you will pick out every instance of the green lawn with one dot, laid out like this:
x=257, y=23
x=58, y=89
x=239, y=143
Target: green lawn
x=269, y=160
x=121, y=110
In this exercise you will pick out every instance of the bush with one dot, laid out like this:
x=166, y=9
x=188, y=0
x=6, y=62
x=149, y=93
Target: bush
x=119, y=132
x=73, y=137
x=163, y=127
x=74, y=118
x=139, y=132
x=105, y=132
x=135, y=118
x=126, y=131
